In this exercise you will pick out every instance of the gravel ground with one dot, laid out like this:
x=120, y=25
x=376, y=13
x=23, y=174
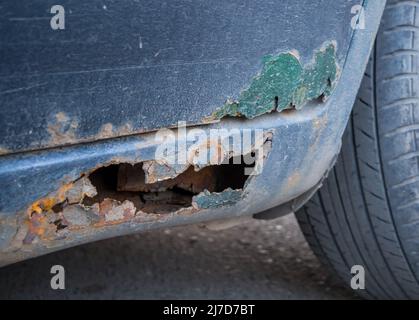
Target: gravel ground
x=256, y=260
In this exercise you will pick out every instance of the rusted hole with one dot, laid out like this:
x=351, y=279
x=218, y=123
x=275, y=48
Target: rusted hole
x=127, y=182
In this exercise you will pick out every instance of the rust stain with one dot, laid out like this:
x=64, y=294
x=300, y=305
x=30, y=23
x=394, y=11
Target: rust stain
x=62, y=130
x=4, y=150
x=108, y=130
x=294, y=180
x=319, y=125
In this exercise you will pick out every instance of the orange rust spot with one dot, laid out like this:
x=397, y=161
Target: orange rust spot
x=38, y=223
x=46, y=204
x=40, y=206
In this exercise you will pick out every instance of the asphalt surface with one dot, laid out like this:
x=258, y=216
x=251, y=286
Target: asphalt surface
x=256, y=260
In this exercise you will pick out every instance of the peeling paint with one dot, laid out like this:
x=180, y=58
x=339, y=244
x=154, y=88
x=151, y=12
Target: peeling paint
x=284, y=83
x=206, y=199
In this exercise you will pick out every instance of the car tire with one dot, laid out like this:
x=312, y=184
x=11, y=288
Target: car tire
x=367, y=211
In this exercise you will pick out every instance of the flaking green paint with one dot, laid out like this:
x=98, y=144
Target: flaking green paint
x=284, y=83
x=207, y=200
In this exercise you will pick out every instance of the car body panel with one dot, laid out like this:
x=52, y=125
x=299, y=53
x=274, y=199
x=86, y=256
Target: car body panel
x=301, y=146
x=124, y=67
